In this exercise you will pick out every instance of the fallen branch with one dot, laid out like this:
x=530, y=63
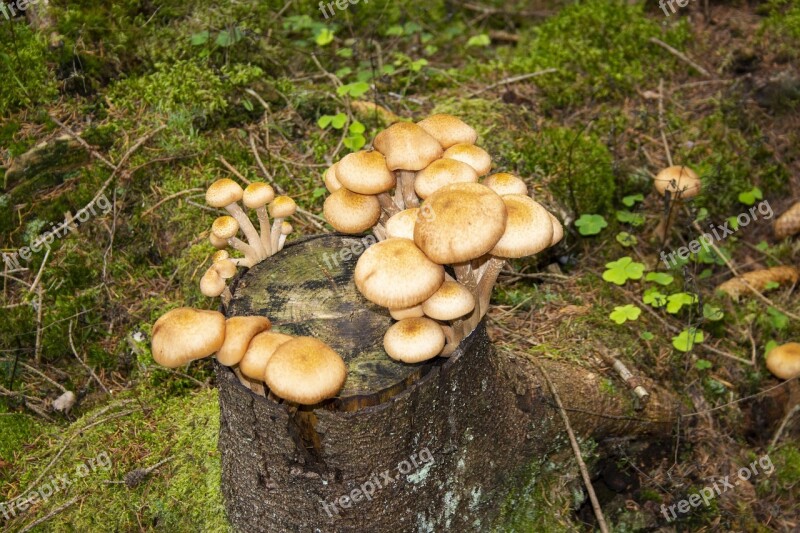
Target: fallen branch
x=513, y=79
x=49, y=515
x=683, y=57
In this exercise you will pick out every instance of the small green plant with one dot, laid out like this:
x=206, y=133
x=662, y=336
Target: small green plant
x=626, y=239
x=712, y=313
x=750, y=197
x=675, y=302
x=654, y=297
x=623, y=269
x=659, y=277
x=627, y=217
x=622, y=314
x=631, y=200
x=590, y=224
x=687, y=338
x=355, y=139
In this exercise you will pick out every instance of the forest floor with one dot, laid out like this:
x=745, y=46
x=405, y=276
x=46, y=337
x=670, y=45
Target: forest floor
x=586, y=102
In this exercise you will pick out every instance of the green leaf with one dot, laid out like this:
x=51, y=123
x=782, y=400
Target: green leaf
x=626, y=239
x=762, y=246
x=770, y=285
x=687, y=339
x=324, y=37
x=631, y=200
x=769, y=346
x=646, y=335
x=705, y=274
x=702, y=214
x=590, y=224
x=394, y=31
x=199, y=39
x=411, y=28
x=354, y=89
x=388, y=70
x=324, y=121
x=319, y=192
x=339, y=121
x=712, y=313
x=659, y=277
x=676, y=301
x=355, y=142
x=343, y=72
x=229, y=38
x=417, y=65
x=654, y=297
x=622, y=314
x=750, y=197
x=622, y=270
x=479, y=40
x=356, y=127
x=703, y=364
x=626, y=217
x=777, y=319
x=248, y=104
x=344, y=52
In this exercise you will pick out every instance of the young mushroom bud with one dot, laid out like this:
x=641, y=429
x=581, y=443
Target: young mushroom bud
x=675, y=184
x=366, y=173
x=185, y=334
x=402, y=224
x=331, y=180
x=212, y=284
x=448, y=130
x=472, y=155
x=350, y=212
x=281, y=208
x=239, y=331
x=257, y=196
x=784, y=361
x=286, y=230
x=226, y=193
x=788, y=223
x=220, y=255
x=451, y=301
x=226, y=227
x=305, y=371
x=440, y=173
x=504, y=183
x=413, y=340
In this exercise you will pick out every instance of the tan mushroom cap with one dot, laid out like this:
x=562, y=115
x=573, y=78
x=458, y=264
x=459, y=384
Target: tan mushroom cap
x=558, y=230
x=414, y=340
x=474, y=156
x=396, y=274
x=350, y=212
x=258, y=194
x=448, y=130
x=464, y=222
x=306, y=371
x=239, y=331
x=282, y=207
x=406, y=146
x=217, y=242
x=212, y=284
x=286, y=228
x=453, y=300
x=401, y=224
x=331, y=180
x=261, y=348
x=185, y=334
x=504, y=183
x=365, y=173
x=407, y=312
x=784, y=361
x=678, y=180
x=440, y=173
x=225, y=268
x=220, y=255
x=529, y=229
x=225, y=227
x=223, y=192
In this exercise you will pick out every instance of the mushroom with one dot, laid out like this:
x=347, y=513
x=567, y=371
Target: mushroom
x=464, y=222
x=226, y=227
x=286, y=230
x=558, y=230
x=440, y=173
x=413, y=340
x=407, y=312
x=256, y=196
x=239, y=332
x=220, y=255
x=784, y=361
x=675, y=184
x=366, y=173
x=330, y=179
x=402, y=224
x=472, y=155
x=788, y=223
x=280, y=208
x=212, y=284
x=448, y=130
x=396, y=274
x=407, y=148
x=259, y=351
x=185, y=334
x=504, y=183
x=226, y=193
x=451, y=301
x=305, y=371
x=350, y=212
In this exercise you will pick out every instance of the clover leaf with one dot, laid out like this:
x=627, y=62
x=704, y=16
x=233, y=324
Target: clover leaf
x=687, y=339
x=659, y=277
x=631, y=200
x=626, y=217
x=590, y=224
x=654, y=297
x=622, y=314
x=622, y=270
x=676, y=301
x=712, y=313
x=626, y=239
x=750, y=197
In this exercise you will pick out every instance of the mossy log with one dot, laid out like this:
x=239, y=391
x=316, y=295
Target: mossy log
x=453, y=435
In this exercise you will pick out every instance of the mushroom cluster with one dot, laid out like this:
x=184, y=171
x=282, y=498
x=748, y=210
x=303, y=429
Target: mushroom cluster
x=303, y=370
x=444, y=234
x=260, y=244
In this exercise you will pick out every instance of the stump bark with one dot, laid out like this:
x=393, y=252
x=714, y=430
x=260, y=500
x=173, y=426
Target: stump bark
x=435, y=446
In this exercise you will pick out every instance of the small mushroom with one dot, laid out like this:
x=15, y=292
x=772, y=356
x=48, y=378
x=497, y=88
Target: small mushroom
x=256, y=196
x=448, y=130
x=281, y=208
x=407, y=312
x=261, y=348
x=558, y=230
x=226, y=227
x=185, y=334
x=784, y=361
x=402, y=224
x=331, y=180
x=226, y=193
x=440, y=173
x=239, y=332
x=788, y=223
x=350, y=212
x=396, y=274
x=413, y=340
x=451, y=301
x=286, y=230
x=366, y=173
x=675, y=184
x=472, y=155
x=212, y=284
x=305, y=371
x=504, y=183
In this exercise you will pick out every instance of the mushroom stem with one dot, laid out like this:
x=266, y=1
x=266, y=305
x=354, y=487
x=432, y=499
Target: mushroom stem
x=263, y=222
x=662, y=230
x=243, y=380
x=380, y=232
x=453, y=341
x=242, y=261
x=405, y=180
x=248, y=229
x=275, y=236
x=483, y=293
x=226, y=296
x=466, y=275
x=388, y=205
x=249, y=253
x=281, y=241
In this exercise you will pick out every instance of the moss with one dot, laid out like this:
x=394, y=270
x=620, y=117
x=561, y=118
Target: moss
x=25, y=76
x=17, y=429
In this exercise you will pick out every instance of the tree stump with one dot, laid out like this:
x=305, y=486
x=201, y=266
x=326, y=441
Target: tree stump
x=435, y=446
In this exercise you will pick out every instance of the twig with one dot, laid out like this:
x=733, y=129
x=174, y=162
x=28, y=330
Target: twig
x=261, y=166
x=750, y=397
x=135, y=477
x=43, y=375
x=661, y=120
x=598, y=511
x=37, y=350
x=626, y=375
x=49, y=515
x=41, y=270
x=785, y=421
x=170, y=197
x=83, y=364
x=94, y=153
x=513, y=79
x=683, y=57
x=233, y=170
